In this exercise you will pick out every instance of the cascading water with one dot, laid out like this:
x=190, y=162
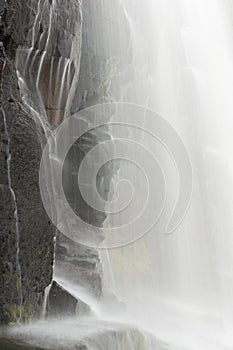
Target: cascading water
x=174, y=57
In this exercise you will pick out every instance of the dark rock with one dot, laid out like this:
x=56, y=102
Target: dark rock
x=52, y=52
x=72, y=164
x=14, y=345
x=40, y=53
x=100, y=67
x=79, y=264
x=61, y=302
x=19, y=345
x=26, y=233
x=2, y=6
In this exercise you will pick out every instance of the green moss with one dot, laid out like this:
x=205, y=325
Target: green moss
x=7, y=277
x=17, y=313
x=133, y=337
x=139, y=339
x=40, y=252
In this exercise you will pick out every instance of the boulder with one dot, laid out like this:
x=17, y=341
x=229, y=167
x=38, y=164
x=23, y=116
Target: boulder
x=62, y=303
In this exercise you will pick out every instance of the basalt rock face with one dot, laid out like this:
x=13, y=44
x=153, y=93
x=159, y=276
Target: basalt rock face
x=48, y=63
x=29, y=30
x=26, y=233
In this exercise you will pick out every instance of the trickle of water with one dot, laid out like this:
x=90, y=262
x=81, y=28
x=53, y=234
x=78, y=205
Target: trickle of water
x=35, y=23
x=39, y=70
x=17, y=235
x=50, y=25
x=45, y=301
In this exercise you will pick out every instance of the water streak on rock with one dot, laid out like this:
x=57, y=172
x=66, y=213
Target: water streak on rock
x=17, y=235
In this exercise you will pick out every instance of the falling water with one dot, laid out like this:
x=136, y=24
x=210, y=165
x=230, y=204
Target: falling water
x=45, y=301
x=176, y=57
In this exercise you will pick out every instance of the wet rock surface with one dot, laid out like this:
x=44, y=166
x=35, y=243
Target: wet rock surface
x=89, y=334
x=40, y=55
x=35, y=230
x=13, y=345
x=26, y=233
x=61, y=303
x=106, y=58
x=52, y=55
x=40, y=50
x=79, y=264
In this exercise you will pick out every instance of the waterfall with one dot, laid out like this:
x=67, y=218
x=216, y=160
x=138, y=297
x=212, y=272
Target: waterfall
x=176, y=58
x=167, y=67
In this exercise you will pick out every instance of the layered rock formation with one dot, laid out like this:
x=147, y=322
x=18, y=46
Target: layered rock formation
x=26, y=233
x=39, y=62
x=79, y=264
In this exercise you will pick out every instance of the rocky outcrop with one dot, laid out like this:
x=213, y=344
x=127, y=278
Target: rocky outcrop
x=40, y=52
x=48, y=64
x=26, y=233
x=90, y=334
x=62, y=303
x=10, y=345
x=79, y=264
x=106, y=61
x=36, y=29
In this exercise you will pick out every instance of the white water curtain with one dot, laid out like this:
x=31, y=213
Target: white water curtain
x=176, y=56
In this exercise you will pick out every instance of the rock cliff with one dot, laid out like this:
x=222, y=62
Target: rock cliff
x=36, y=37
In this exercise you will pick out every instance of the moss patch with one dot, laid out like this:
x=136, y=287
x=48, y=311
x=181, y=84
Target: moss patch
x=17, y=314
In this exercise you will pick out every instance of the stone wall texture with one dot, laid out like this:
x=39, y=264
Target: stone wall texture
x=26, y=233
